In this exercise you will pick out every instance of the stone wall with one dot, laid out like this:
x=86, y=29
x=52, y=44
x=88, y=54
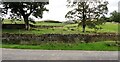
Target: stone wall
x=59, y=37
x=13, y=26
x=22, y=26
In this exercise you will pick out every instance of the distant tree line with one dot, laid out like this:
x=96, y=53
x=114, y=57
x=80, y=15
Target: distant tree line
x=115, y=17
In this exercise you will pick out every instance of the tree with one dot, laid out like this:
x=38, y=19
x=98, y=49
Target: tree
x=115, y=16
x=89, y=13
x=14, y=18
x=25, y=9
x=1, y=19
x=1, y=15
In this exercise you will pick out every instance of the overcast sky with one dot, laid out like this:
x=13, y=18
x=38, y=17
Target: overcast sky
x=58, y=9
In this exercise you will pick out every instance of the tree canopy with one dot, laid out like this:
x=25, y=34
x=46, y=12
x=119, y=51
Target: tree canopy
x=115, y=16
x=87, y=13
x=25, y=9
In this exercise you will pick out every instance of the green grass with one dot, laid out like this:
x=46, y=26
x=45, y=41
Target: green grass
x=40, y=31
x=7, y=21
x=66, y=29
x=97, y=46
x=108, y=27
x=49, y=24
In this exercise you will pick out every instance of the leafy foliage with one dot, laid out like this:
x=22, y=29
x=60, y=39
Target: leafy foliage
x=14, y=18
x=25, y=9
x=115, y=16
x=1, y=19
x=87, y=13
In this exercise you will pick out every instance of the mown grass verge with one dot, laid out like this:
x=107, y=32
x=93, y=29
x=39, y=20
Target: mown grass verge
x=96, y=46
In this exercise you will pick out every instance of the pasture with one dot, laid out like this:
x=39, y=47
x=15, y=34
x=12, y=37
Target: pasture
x=64, y=28
x=61, y=28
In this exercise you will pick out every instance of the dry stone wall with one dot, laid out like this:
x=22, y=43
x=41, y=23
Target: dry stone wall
x=18, y=38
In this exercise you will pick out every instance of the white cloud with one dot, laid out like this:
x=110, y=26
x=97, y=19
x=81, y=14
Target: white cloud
x=112, y=6
x=119, y=6
x=58, y=9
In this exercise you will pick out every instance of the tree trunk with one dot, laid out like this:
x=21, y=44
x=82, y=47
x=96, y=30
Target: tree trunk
x=84, y=22
x=84, y=25
x=27, y=26
x=84, y=18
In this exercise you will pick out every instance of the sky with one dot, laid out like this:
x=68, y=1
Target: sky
x=58, y=9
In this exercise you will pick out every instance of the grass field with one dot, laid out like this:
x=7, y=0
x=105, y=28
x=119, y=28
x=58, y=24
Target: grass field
x=49, y=24
x=97, y=46
x=7, y=21
x=66, y=29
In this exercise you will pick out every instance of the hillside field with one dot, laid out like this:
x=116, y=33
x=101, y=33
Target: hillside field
x=63, y=29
